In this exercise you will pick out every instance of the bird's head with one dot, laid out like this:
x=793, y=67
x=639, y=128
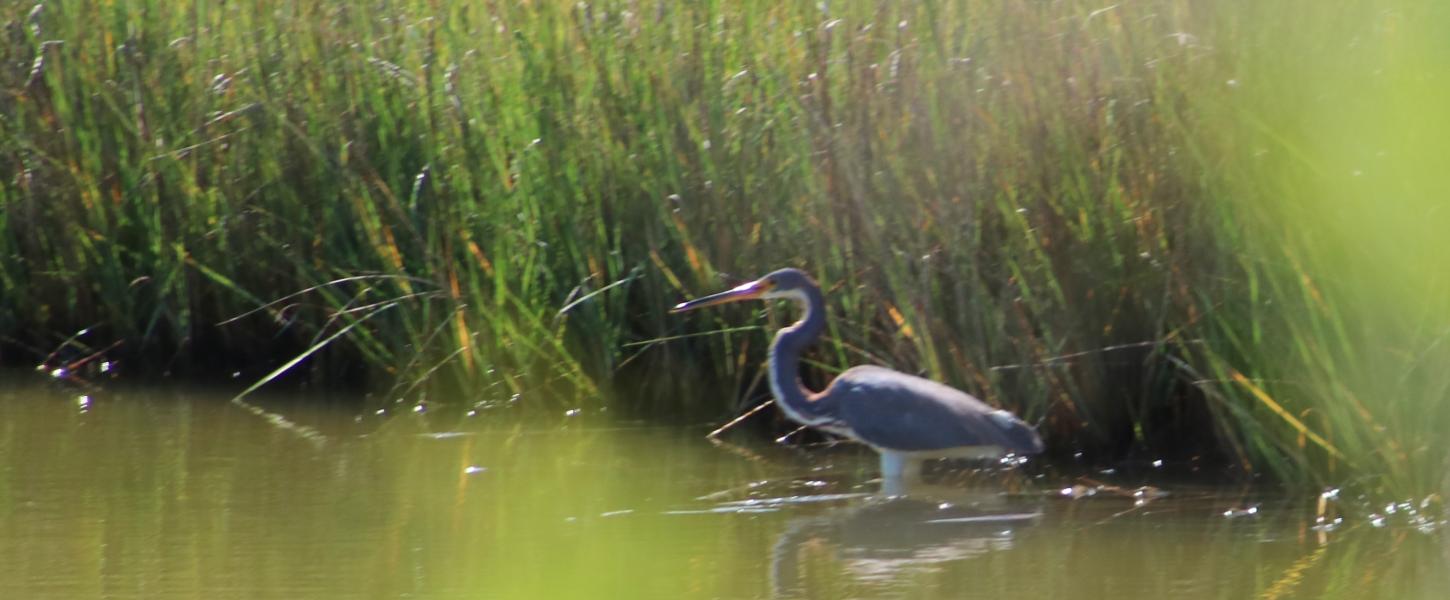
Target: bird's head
x=785, y=283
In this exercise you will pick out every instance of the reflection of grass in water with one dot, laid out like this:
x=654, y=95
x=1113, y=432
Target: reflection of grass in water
x=979, y=186
x=1366, y=564
x=176, y=498
x=1288, y=582
x=1177, y=547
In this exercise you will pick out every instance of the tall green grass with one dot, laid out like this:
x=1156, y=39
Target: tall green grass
x=1329, y=355
x=1118, y=220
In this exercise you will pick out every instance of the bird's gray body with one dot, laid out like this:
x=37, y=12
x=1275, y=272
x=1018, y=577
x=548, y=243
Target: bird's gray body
x=890, y=410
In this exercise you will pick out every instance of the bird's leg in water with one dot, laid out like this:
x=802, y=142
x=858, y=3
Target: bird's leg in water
x=898, y=471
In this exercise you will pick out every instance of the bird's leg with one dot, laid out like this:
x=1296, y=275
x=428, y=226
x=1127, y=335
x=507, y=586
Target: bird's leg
x=898, y=471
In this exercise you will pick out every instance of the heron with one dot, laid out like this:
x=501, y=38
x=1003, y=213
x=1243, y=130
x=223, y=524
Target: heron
x=906, y=419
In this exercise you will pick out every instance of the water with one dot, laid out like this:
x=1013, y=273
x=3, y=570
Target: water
x=166, y=495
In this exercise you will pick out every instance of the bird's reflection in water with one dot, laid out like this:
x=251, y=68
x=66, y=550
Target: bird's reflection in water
x=880, y=539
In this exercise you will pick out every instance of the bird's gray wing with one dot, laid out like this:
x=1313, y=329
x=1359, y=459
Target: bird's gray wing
x=893, y=410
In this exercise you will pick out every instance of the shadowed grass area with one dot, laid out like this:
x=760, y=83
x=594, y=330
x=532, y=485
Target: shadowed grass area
x=1118, y=220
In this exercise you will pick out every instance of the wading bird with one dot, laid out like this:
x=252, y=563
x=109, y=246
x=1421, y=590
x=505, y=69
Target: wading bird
x=905, y=418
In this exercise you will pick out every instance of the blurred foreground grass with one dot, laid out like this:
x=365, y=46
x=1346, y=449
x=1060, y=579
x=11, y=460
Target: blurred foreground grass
x=1120, y=220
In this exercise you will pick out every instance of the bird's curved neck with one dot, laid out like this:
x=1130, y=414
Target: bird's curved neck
x=785, y=354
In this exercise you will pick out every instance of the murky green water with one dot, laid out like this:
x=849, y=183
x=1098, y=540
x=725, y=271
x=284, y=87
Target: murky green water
x=184, y=496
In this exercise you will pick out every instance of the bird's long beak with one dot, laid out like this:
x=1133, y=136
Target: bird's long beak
x=748, y=291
